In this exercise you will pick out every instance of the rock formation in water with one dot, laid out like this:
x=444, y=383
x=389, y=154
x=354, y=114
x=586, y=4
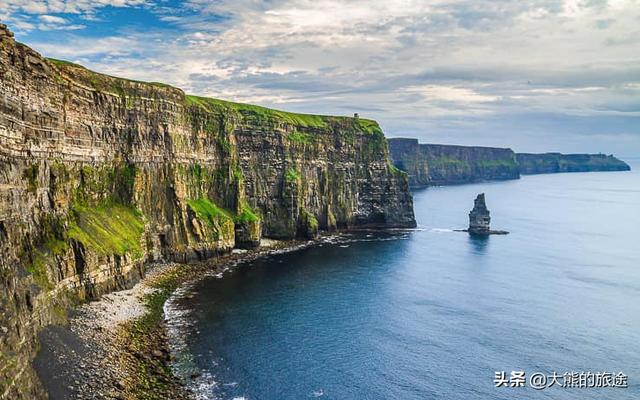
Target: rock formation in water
x=436, y=164
x=548, y=163
x=480, y=219
x=100, y=176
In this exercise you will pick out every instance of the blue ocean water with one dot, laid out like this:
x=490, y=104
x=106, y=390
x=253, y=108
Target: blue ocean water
x=433, y=313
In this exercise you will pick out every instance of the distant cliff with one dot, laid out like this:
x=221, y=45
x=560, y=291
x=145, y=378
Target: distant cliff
x=436, y=164
x=549, y=163
x=101, y=175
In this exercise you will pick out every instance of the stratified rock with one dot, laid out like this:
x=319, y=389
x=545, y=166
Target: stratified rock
x=479, y=218
x=439, y=164
x=442, y=164
x=549, y=163
x=100, y=176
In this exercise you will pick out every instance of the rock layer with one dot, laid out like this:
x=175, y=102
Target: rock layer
x=479, y=217
x=549, y=163
x=437, y=164
x=101, y=175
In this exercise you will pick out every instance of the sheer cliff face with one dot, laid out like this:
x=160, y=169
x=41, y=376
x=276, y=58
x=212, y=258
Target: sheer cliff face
x=549, y=163
x=438, y=164
x=433, y=164
x=100, y=175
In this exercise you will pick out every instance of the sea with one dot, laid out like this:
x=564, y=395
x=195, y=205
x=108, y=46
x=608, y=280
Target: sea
x=550, y=311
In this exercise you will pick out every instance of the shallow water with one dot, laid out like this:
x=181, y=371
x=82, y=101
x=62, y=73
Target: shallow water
x=432, y=313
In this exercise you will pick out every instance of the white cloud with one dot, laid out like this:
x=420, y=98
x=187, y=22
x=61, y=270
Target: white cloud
x=13, y=7
x=451, y=94
x=411, y=63
x=52, y=19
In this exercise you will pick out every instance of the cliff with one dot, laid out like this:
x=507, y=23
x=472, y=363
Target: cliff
x=548, y=163
x=100, y=176
x=436, y=164
x=439, y=164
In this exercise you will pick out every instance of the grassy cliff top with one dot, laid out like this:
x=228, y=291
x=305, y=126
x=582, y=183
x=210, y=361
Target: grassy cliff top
x=269, y=114
x=131, y=87
x=69, y=66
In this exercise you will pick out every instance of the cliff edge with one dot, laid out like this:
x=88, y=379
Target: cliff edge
x=549, y=163
x=101, y=175
x=438, y=164
x=441, y=164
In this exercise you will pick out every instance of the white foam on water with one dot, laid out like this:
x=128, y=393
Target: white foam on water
x=180, y=323
x=441, y=230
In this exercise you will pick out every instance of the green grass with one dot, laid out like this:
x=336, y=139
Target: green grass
x=310, y=220
x=447, y=162
x=114, y=84
x=38, y=269
x=237, y=174
x=300, y=137
x=291, y=175
x=262, y=113
x=247, y=215
x=370, y=126
x=207, y=211
x=497, y=163
x=63, y=63
x=140, y=337
x=97, y=79
x=108, y=229
x=270, y=115
x=42, y=256
x=56, y=246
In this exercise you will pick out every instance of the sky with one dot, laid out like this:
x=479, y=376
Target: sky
x=533, y=75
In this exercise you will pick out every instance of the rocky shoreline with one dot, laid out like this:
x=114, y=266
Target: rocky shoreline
x=117, y=347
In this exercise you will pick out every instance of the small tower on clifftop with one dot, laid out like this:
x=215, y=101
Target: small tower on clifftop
x=356, y=115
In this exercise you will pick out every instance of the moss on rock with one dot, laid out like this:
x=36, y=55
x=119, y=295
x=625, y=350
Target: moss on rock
x=308, y=225
x=212, y=222
x=291, y=175
x=108, y=229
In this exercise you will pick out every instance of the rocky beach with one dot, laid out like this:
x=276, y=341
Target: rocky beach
x=101, y=177
x=155, y=147
x=117, y=347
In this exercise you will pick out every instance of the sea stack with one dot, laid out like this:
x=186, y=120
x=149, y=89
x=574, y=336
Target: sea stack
x=480, y=219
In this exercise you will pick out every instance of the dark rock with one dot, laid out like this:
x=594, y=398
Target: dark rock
x=157, y=354
x=479, y=218
x=180, y=176
x=549, y=163
x=438, y=164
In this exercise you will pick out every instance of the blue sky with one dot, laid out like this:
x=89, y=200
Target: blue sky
x=534, y=75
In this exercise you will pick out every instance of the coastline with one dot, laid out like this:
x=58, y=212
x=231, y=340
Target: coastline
x=118, y=347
